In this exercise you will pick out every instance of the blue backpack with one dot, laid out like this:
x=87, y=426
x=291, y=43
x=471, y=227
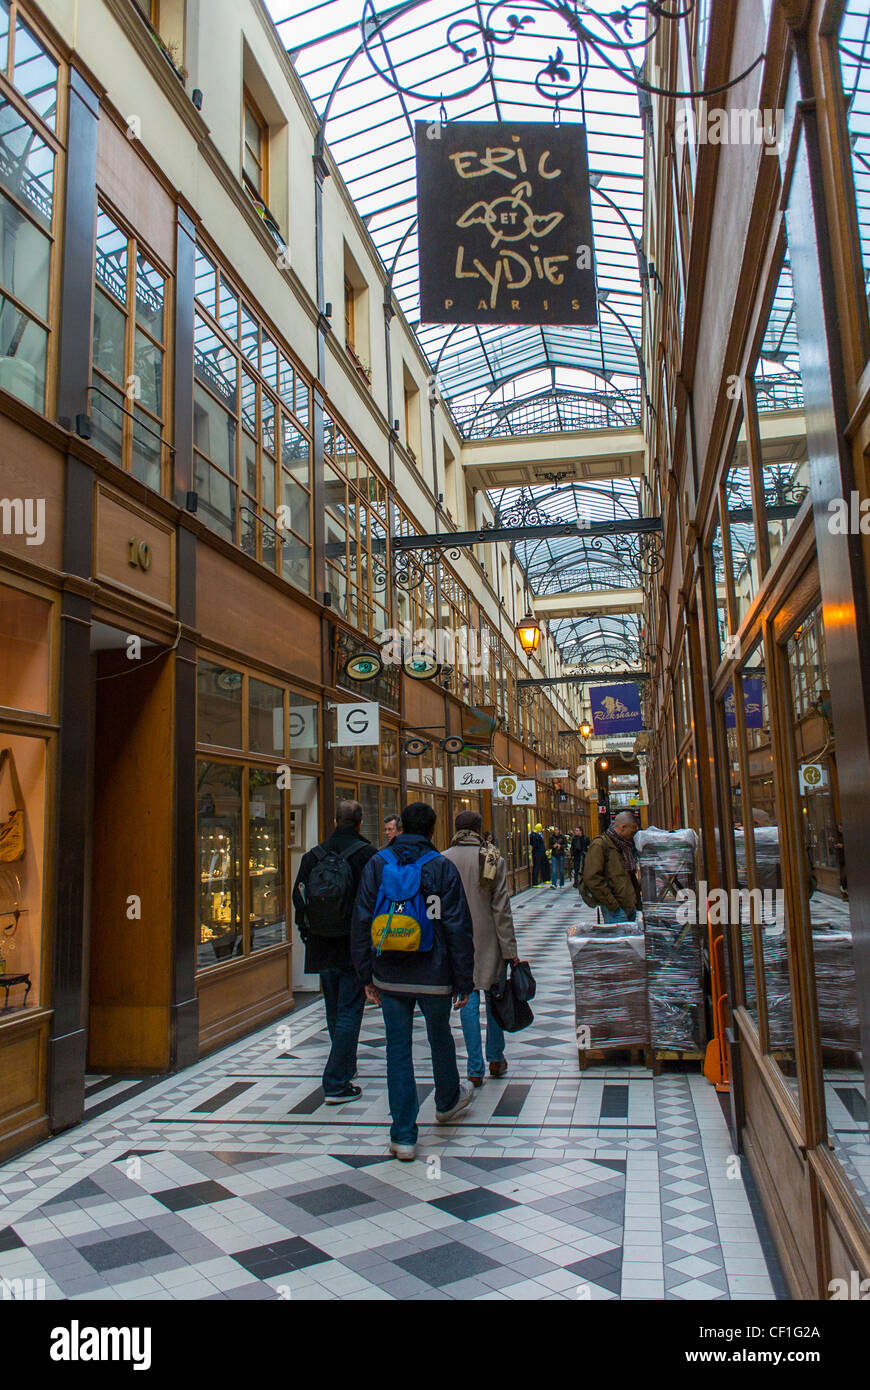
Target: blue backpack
x=400, y=921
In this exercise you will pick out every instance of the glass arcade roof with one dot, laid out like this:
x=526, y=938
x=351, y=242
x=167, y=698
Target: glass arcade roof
x=373, y=71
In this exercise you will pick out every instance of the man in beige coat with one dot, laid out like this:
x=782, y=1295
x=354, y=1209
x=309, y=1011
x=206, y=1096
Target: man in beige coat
x=484, y=878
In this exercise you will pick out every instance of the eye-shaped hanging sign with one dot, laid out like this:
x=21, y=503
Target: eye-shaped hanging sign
x=364, y=666
x=453, y=743
x=420, y=665
x=505, y=217
x=414, y=747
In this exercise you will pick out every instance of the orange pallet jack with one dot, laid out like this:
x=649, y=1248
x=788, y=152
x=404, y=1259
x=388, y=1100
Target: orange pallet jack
x=716, y=1064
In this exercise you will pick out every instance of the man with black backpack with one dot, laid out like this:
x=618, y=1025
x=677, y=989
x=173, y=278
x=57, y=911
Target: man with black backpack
x=413, y=945
x=323, y=897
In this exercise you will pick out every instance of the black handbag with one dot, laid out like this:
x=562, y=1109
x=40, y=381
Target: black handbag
x=524, y=983
x=512, y=1012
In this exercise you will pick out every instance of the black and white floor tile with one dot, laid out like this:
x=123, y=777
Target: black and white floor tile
x=234, y=1181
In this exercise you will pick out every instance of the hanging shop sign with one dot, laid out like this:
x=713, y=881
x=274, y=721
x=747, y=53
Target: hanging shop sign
x=358, y=725
x=753, y=704
x=812, y=777
x=505, y=223
x=556, y=772
x=506, y=787
x=453, y=743
x=420, y=665
x=616, y=709
x=416, y=747
x=583, y=782
x=475, y=779
x=524, y=794
x=364, y=666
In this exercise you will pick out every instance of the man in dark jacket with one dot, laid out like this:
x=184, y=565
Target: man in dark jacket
x=399, y=980
x=343, y=994
x=579, y=846
x=558, y=846
x=539, y=856
x=610, y=870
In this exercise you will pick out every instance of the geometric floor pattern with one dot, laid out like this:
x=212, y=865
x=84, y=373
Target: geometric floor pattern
x=232, y=1180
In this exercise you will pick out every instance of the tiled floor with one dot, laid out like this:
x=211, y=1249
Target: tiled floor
x=233, y=1180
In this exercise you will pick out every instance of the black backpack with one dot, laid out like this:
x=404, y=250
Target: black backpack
x=330, y=891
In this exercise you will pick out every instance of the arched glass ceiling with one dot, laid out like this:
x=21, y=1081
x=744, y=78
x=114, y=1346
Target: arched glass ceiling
x=572, y=564
x=369, y=133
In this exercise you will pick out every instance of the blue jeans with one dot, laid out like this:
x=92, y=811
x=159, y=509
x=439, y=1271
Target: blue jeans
x=398, y=1011
x=611, y=914
x=469, y=1017
x=558, y=868
x=345, y=999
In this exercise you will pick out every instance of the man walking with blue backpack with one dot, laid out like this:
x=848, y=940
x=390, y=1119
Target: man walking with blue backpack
x=412, y=943
x=323, y=896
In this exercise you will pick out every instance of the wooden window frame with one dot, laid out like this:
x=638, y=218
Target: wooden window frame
x=265, y=389
x=136, y=247
x=260, y=194
x=52, y=137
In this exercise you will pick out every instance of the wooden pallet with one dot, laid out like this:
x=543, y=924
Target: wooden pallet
x=671, y=1054
x=600, y=1054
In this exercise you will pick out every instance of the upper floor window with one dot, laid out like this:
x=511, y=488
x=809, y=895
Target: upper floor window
x=128, y=386
x=255, y=150
x=29, y=162
x=252, y=466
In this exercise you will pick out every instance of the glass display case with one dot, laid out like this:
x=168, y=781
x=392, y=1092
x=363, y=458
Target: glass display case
x=266, y=840
x=220, y=896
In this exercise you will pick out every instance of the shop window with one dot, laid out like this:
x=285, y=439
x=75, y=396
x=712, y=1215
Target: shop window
x=265, y=718
x=742, y=925
x=304, y=732
x=778, y=393
x=826, y=884
x=243, y=807
x=219, y=705
x=266, y=879
x=251, y=408
x=768, y=904
x=29, y=150
x=23, y=762
x=128, y=353
x=25, y=643
x=219, y=804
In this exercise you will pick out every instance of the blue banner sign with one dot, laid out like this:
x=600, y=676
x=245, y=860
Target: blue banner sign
x=753, y=704
x=616, y=709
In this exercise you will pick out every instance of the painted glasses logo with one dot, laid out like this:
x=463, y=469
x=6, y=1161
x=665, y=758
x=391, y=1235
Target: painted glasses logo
x=612, y=708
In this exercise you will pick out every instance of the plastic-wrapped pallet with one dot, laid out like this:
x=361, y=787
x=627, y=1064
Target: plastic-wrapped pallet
x=666, y=865
x=609, y=972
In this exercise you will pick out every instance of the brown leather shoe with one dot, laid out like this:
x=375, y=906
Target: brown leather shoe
x=476, y=1080
x=498, y=1068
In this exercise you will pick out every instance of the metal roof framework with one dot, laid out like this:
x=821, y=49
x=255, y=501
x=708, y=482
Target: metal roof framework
x=370, y=73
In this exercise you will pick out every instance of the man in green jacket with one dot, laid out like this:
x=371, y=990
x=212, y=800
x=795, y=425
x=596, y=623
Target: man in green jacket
x=610, y=871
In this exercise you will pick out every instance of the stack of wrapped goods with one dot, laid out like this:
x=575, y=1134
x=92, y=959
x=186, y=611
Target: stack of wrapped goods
x=831, y=946
x=609, y=985
x=666, y=865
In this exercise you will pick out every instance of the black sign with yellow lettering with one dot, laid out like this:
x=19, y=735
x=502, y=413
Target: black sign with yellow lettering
x=505, y=223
